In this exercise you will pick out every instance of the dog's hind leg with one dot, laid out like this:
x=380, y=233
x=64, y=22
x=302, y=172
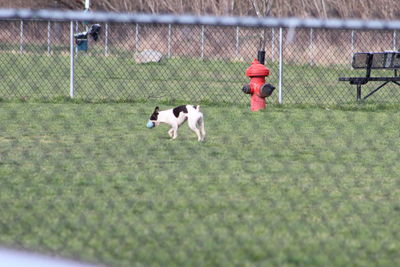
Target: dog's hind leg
x=192, y=125
x=202, y=130
x=171, y=132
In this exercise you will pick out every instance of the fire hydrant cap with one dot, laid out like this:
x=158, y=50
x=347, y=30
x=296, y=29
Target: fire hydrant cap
x=257, y=69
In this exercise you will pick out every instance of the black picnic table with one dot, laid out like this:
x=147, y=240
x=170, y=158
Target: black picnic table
x=374, y=60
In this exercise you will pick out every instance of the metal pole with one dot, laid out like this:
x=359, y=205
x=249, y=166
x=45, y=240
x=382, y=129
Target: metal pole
x=72, y=66
x=202, y=41
x=21, y=36
x=48, y=37
x=237, y=42
x=87, y=8
x=311, y=50
x=394, y=40
x=280, y=64
x=106, y=41
x=137, y=38
x=169, y=39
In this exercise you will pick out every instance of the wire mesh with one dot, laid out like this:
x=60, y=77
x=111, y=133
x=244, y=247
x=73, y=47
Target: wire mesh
x=183, y=62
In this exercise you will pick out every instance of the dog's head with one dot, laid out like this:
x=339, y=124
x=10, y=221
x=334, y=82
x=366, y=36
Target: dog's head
x=154, y=118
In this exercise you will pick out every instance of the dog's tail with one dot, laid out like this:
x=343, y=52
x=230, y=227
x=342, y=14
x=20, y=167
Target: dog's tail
x=197, y=107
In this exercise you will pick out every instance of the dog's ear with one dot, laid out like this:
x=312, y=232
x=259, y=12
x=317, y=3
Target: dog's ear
x=157, y=109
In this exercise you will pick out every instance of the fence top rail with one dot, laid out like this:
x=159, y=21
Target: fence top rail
x=70, y=15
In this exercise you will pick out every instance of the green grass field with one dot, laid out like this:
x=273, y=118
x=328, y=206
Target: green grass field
x=290, y=186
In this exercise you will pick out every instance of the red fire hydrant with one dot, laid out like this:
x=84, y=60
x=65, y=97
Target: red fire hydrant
x=257, y=87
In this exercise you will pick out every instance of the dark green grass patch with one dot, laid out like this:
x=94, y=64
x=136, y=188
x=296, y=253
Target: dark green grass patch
x=294, y=185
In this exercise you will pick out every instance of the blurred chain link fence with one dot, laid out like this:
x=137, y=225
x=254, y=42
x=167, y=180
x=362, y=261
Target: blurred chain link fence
x=191, y=62
x=292, y=186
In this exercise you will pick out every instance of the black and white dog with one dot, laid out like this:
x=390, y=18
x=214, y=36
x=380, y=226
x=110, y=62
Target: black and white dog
x=175, y=117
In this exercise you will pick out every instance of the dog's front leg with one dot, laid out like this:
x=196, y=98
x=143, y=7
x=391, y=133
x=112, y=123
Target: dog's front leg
x=170, y=132
x=173, y=132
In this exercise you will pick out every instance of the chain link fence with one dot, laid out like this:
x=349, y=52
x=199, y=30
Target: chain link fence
x=183, y=62
x=291, y=185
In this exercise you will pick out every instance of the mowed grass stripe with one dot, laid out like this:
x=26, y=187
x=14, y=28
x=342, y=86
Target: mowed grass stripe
x=288, y=186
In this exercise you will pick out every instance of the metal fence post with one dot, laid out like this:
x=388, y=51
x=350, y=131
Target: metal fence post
x=21, y=36
x=136, y=37
x=202, y=41
x=237, y=42
x=280, y=64
x=106, y=41
x=311, y=45
x=49, y=37
x=72, y=65
x=169, y=39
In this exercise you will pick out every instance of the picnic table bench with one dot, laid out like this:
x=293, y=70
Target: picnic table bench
x=374, y=60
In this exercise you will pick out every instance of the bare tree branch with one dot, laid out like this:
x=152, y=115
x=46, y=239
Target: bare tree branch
x=381, y=9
